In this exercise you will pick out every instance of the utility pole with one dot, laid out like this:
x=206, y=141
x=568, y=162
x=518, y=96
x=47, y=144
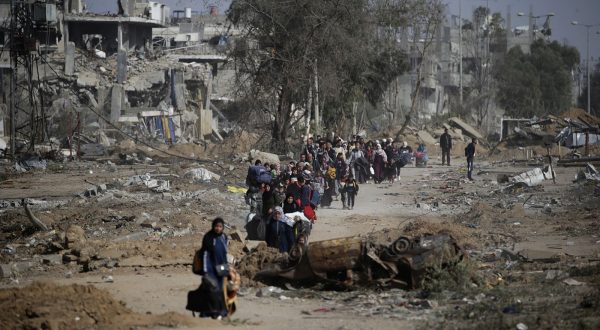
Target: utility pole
x=13, y=81
x=316, y=101
x=587, y=67
x=460, y=57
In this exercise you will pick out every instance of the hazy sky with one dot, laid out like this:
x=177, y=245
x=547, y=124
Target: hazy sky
x=584, y=11
x=566, y=11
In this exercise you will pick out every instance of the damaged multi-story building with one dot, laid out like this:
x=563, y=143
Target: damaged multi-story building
x=144, y=70
x=471, y=42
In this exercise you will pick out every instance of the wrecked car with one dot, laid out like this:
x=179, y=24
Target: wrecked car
x=355, y=260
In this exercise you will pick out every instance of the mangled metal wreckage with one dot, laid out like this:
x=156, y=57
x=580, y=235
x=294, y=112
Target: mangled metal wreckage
x=355, y=260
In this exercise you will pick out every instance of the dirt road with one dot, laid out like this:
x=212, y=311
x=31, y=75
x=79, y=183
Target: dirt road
x=377, y=207
x=488, y=220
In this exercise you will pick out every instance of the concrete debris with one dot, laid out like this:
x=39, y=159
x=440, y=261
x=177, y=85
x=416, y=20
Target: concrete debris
x=201, y=174
x=92, y=150
x=87, y=79
x=155, y=185
x=533, y=177
x=555, y=274
x=590, y=173
x=15, y=268
x=31, y=162
x=426, y=137
x=466, y=128
x=99, y=53
x=264, y=157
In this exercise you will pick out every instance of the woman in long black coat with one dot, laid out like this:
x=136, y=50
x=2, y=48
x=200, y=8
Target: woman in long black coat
x=214, y=255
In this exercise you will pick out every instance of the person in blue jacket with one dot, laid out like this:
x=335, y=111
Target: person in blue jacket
x=214, y=254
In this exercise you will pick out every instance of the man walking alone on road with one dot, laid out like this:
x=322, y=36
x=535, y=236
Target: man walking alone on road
x=446, y=145
x=470, y=154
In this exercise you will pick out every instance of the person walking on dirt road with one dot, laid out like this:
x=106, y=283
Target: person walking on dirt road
x=216, y=269
x=470, y=154
x=446, y=145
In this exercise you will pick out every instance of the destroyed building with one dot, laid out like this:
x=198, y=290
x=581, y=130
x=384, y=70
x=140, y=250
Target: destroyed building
x=93, y=73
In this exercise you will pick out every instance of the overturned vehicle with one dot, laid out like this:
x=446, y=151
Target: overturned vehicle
x=356, y=260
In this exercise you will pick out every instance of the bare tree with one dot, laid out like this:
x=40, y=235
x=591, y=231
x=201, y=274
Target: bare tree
x=423, y=19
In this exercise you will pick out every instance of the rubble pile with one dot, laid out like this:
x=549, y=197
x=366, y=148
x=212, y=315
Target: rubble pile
x=540, y=136
x=51, y=306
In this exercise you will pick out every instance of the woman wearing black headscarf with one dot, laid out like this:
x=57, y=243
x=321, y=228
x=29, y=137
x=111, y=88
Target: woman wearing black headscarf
x=290, y=206
x=214, y=255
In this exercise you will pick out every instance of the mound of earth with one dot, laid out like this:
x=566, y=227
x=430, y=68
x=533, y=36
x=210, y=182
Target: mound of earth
x=51, y=306
x=254, y=261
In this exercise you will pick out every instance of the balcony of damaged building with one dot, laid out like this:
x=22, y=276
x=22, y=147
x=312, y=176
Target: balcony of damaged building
x=110, y=85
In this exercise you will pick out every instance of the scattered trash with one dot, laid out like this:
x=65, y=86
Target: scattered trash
x=237, y=190
x=573, y=282
x=522, y=326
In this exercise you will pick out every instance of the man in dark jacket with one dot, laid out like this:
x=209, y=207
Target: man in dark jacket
x=446, y=145
x=470, y=154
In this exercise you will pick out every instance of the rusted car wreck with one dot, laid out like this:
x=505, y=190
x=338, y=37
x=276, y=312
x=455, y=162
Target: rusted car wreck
x=355, y=260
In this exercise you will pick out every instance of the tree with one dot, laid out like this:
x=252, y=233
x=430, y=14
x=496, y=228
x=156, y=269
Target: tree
x=484, y=42
x=539, y=83
x=423, y=18
x=595, y=92
x=286, y=43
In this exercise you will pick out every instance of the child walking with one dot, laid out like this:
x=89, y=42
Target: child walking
x=351, y=190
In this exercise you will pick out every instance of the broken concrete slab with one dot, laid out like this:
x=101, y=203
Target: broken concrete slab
x=52, y=259
x=87, y=79
x=201, y=174
x=426, y=138
x=466, y=128
x=264, y=157
x=155, y=185
x=145, y=81
x=533, y=177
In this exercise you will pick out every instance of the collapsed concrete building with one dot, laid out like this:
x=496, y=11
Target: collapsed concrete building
x=458, y=39
x=107, y=72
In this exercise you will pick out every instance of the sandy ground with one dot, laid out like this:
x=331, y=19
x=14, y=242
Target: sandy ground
x=159, y=290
